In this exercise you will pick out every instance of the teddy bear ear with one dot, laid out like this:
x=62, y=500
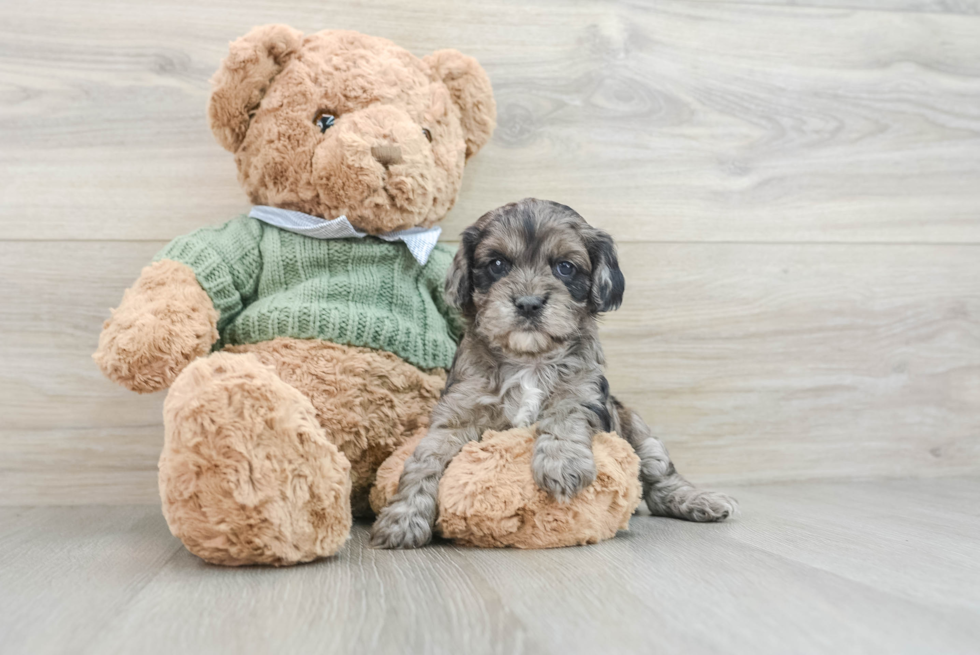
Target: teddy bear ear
x=243, y=77
x=471, y=92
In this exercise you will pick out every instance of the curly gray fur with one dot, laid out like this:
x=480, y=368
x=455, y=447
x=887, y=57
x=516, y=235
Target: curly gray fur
x=531, y=278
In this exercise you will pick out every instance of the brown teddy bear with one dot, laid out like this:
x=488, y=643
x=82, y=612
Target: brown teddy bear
x=306, y=342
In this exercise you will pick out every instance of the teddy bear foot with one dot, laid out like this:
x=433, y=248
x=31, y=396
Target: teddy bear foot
x=488, y=496
x=247, y=475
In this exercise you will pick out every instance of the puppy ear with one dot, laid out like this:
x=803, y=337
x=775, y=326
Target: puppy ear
x=471, y=92
x=243, y=77
x=459, y=280
x=608, y=283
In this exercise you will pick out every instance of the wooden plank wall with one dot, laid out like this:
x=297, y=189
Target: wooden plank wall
x=795, y=187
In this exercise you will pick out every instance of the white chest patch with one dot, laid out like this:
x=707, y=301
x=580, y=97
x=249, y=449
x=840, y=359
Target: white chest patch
x=525, y=399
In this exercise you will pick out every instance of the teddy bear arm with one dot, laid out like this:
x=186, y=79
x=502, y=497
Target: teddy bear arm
x=165, y=321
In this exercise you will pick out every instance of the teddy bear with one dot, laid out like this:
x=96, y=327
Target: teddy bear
x=305, y=343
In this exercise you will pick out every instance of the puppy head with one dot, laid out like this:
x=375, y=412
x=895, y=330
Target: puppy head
x=532, y=274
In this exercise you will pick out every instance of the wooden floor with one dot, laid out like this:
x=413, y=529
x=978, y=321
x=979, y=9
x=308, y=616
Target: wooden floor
x=820, y=567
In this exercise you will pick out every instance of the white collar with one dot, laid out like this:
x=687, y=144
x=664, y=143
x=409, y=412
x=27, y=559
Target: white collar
x=420, y=240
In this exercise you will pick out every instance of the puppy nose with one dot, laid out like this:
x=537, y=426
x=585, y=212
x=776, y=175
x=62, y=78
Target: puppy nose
x=529, y=305
x=387, y=155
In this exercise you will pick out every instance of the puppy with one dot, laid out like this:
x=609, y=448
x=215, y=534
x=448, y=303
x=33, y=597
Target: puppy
x=531, y=278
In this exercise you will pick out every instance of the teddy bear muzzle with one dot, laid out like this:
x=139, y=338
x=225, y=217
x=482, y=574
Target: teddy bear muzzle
x=377, y=163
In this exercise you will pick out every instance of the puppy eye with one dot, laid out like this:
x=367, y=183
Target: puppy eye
x=498, y=266
x=565, y=269
x=428, y=134
x=324, y=121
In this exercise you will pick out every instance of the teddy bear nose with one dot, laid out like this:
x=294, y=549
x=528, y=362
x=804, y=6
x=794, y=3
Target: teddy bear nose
x=387, y=155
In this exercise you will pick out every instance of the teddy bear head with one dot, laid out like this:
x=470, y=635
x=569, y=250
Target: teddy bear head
x=341, y=123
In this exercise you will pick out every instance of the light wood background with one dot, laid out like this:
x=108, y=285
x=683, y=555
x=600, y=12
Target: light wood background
x=795, y=187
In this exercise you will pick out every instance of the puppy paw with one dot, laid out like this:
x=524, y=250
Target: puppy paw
x=692, y=504
x=400, y=527
x=562, y=468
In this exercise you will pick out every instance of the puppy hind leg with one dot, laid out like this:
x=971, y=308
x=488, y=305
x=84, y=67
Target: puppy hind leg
x=667, y=492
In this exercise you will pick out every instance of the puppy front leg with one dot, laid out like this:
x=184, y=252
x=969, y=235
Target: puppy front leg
x=563, y=464
x=408, y=520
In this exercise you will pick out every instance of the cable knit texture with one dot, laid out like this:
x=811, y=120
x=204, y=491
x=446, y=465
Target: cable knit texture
x=267, y=283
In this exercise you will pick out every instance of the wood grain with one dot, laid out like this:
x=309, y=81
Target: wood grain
x=66, y=572
x=897, y=517
x=885, y=566
x=969, y=7
x=803, y=361
x=752, y=362
x=668, y=121
x=793, y=184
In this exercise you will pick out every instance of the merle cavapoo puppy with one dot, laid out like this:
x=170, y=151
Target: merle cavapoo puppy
x=531, y=277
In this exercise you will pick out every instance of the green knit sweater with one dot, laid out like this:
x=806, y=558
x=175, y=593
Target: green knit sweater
x=266, y=283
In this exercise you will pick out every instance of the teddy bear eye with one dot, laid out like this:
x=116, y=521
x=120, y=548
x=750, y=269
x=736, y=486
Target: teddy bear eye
x=428, y=134
x=324, y=121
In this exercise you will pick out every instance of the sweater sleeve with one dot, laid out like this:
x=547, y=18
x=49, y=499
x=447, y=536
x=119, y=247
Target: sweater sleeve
x=441, y=259
x=226, y=260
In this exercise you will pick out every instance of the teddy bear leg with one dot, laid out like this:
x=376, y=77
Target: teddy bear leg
x=247, y=475
x=369, y=402
x=667, y=492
